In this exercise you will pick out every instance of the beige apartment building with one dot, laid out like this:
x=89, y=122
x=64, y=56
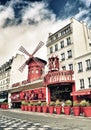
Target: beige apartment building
x=9, y=74
x=72, y=44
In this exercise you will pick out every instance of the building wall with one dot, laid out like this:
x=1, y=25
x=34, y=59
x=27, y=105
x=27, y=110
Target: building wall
x=16, y=75
x=84, y=74
x=82, y=52
x=9, y=73
x=80, y=36
x=66, y=61
x=5, y=70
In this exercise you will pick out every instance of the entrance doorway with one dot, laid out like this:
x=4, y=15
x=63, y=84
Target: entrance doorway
x=61, y=92
x=16, y=104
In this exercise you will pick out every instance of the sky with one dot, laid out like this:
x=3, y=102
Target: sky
x=27, y=22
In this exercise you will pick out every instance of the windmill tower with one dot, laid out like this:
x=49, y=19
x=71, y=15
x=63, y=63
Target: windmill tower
x=36, y=66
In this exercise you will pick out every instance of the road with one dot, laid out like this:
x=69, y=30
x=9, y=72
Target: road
x=41, y=121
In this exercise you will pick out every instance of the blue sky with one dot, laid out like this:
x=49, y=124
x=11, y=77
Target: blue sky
x=26, y=22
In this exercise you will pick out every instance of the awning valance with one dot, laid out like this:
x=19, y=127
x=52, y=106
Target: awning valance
x=81, y=92
x=2, y=100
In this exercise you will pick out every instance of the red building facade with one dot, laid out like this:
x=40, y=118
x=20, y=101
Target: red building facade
x=54, y=85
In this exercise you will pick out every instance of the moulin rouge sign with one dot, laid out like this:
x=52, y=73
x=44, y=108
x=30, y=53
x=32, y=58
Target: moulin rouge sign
x=20, y=83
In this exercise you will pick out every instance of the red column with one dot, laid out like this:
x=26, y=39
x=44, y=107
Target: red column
x=74, y=89
x=49, y=95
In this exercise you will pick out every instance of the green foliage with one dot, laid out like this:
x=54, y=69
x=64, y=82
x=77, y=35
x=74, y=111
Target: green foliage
x=23, y=102
x=58, y=103
x=34, y=103
x=39, y=103
x=44, y=104
x=68, y=103
x=84, y=103
x=76, y=103
x=6, y=103
x=52, y=103
x=30, y=103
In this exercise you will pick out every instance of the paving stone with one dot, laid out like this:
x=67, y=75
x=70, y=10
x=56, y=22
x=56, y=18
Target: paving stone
x=7, y=123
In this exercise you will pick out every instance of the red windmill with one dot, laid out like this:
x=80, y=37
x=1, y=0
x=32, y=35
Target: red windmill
x=35, y=65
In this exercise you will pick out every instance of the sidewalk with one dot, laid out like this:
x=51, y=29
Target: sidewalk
x=46, y=114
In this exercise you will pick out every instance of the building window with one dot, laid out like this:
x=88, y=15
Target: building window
x=1, y=82
x=51, y=50
x=70, y=66
x=68, y=29
x=64, y=67
x=62, y=33
x=7, y=80
x=37, y=71
x=8, y=73
x=68, y=41
x=51, y=39
x=69, y=54
x=62, y=56
x=89, y=81
x=62, y=44
x=56, y=47
x=56, y=36
x=32, y=71
x=81, y=83
x=88, y=63
x=80, y=67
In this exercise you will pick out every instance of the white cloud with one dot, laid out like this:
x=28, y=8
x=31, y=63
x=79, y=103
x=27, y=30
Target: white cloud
x=12, y=37
x=81, y=13
x=87, y=3
x=69, y=7
x=37, y=12
x=6, y=13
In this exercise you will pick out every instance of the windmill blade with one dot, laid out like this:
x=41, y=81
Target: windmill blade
x=38, y=47
x=22, y=67
x=22, y=49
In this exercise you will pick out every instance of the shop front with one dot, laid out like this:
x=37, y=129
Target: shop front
x=82, y=94
x=60, y=84
x=15, y=100
x=33, y=91
x=61, y=92
x=3, y=97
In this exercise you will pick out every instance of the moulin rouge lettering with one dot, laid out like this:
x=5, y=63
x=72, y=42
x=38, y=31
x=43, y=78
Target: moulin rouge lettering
x=62, y=91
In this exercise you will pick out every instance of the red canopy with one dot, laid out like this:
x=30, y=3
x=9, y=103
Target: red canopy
x=81, y=92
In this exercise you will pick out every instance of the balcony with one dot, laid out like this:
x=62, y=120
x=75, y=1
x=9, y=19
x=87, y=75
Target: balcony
x=64, y=76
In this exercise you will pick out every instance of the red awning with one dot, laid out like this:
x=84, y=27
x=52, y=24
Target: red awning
x=81, y=92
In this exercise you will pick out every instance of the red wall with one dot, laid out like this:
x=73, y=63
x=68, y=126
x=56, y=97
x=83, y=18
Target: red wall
x=34, y=94
x=34, y=71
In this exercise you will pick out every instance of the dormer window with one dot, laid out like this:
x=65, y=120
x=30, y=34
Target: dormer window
x=56, y=36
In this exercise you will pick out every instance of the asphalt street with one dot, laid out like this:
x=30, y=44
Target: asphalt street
x=15, y=119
